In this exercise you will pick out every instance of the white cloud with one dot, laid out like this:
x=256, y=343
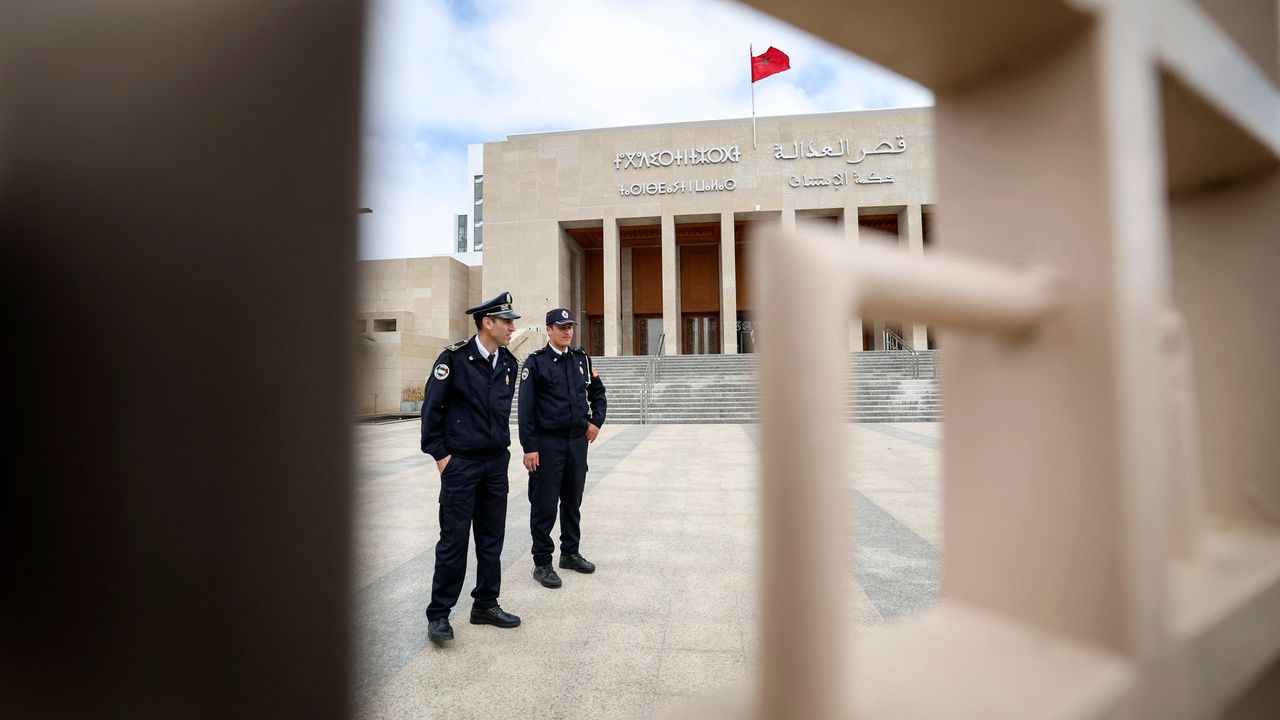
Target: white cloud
x=439, y=78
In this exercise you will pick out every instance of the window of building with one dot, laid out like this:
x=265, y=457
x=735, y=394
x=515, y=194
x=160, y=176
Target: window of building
x=462, y=233
x=477, y=213
x=384, y=325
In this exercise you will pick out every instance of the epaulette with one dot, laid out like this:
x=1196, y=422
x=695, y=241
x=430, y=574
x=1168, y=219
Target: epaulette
x=577, y=351
x=457, y=346
x=539, y=351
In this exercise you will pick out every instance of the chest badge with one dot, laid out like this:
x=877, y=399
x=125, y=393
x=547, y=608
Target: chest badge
x=580, y=370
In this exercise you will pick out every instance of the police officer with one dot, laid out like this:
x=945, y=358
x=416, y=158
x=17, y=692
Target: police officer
x=465, y=427
x=562, y=406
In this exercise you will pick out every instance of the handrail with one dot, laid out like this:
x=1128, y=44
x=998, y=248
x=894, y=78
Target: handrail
x=651, y=370
x=644, y=391
x=893, y=342
x=662, y=350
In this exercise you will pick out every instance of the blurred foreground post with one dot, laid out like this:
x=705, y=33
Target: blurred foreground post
x=177, y=195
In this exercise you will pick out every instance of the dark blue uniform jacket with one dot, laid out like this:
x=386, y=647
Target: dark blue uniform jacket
x=467, y=408
x=559, y=394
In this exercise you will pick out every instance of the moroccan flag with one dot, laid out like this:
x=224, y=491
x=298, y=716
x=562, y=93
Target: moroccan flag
x=769, y=62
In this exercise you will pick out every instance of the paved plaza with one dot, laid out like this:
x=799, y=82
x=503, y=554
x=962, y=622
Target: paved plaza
x=670, y=516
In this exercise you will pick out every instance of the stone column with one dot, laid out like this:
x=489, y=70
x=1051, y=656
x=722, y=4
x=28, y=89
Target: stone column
x=612, y=299
x=911, y=233
x=728, y=286
x=670, y=285
x=850, y=222
x=788, y=223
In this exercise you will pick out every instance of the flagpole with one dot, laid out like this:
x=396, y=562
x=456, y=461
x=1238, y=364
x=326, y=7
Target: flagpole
x=751, y=58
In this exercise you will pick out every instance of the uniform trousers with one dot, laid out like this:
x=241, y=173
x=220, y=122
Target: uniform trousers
x=559, y=480
x=473, y=495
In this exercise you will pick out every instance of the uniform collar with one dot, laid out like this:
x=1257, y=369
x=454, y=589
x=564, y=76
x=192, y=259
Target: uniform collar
x=480, y=348
x=554, y=350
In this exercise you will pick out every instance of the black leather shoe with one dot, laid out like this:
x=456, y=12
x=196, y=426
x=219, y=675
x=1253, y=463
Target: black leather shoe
x=439, y=630
x=493, y=616
x=574, y=561
x=546, y=576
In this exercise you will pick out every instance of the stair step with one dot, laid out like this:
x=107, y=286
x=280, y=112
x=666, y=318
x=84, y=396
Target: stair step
x=879, y=387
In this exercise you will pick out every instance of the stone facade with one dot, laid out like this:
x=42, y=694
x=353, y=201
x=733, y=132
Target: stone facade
x=426, y=299
x=540, y=187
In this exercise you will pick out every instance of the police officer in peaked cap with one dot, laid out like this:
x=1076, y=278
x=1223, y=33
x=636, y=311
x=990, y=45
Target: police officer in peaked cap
x=466, y=428
x=562, y=406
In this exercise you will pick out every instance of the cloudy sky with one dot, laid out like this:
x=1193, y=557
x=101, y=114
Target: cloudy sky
x=446, y=73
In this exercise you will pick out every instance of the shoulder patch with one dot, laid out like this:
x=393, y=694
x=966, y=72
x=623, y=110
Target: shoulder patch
x=524, y=374
x=457, y=346
x=441, y=372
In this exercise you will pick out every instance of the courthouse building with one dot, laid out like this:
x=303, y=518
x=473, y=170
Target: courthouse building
x=646, y=233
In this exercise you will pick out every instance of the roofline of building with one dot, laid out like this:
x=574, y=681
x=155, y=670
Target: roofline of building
x=460, y=258
x=702, y=123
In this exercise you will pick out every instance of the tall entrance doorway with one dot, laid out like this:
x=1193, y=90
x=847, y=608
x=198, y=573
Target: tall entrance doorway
x=701, y=335
x=746, y=334
x=699, y=248
x=648, y=334
x=594, y=335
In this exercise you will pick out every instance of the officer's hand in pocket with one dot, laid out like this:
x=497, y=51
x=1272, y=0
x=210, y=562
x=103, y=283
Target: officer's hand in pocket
x=531, y=461
x=442, y=462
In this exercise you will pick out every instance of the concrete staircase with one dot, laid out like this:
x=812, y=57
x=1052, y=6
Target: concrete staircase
x=705, y=389
x=623, y=380
x=723, y=389
x=893, y=387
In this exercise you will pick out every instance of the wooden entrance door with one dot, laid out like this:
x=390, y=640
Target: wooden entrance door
x=700, y=334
